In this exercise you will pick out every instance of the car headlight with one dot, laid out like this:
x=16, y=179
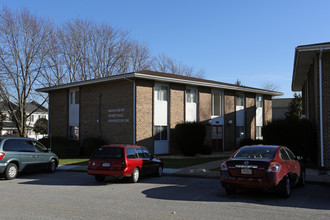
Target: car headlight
x=224, y=166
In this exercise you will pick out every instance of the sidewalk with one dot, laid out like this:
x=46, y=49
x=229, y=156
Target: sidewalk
x=204, y=170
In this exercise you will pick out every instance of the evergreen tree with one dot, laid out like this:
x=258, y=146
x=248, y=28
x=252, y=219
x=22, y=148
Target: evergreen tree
x=295, y=107
x=41, y=126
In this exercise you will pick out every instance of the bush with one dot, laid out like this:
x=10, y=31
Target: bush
x=298, y=135
x=189, y=137
x=249, y=141
x=63, y=147
x=91, y=144
x=206, y=149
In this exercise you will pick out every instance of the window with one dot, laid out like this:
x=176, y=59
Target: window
x=191, y=96
x=109, y=153
x=259, y=132
x=284, y=155
x=130, y=153
x=18, y=145
x=74, y=97
x=291, y=155
x=140, y=152
x=146, y=153
x=74, y=132
x=161, y=93
x=239, y=100
x=217, y=103
x=160, y=133
x=259, y=101
x=38, y=147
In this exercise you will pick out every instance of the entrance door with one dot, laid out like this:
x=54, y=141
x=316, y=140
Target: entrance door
x=217, y=138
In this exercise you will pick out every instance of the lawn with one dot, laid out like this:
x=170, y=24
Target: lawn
x=77, y=161
x=168, y=163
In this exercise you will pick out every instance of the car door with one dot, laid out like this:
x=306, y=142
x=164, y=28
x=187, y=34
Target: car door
x=41, y=154
x=27, y=153
x=152, y=164
x=295, y=166
x=286, y=160
x=146, y=162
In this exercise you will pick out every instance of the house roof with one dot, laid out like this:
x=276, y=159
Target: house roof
x=303, y=59
x=31, y=106
x=281, y=103
x=164, y=77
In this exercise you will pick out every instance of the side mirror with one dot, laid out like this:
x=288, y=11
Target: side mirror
x=299, y=158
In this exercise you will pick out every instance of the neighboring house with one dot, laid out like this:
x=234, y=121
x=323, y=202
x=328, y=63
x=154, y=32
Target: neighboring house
x=281, y=107
x=311, y=76
x=9, y=127
x=144, y=107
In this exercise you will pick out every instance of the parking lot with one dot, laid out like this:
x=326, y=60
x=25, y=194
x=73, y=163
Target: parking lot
x=76, y=195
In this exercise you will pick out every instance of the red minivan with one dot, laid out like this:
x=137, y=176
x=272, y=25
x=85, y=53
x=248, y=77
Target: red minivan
x=123, y=161
x=262, y=167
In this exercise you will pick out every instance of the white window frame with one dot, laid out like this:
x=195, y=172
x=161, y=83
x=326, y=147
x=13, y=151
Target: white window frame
x=221, y=101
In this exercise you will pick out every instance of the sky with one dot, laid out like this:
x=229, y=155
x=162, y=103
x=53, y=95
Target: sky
x=253, y=41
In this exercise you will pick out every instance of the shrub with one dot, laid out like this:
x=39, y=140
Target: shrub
x=189, y=137
x=249, y=141
x=63, y=147
x=91, y=144
x=298, y=135
x=206, y=149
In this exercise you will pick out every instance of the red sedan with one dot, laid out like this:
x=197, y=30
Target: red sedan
x=273, y=168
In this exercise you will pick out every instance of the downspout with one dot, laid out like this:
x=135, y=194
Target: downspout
x=134, y=109
x=321, y=106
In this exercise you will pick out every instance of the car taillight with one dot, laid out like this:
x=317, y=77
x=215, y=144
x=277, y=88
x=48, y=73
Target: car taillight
x=2, y=155
x=224, y=166
x=274, y=167
x=123, y=164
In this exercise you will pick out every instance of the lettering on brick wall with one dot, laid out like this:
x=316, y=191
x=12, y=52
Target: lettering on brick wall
x=116, y=115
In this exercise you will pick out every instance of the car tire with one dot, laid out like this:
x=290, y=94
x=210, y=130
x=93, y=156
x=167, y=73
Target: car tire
x=286, y=187
x=135, y=175
x=159, y=171
x=302, y=178
x=52, y=166
x=99, y=178
x=230, y=191
x=11, y=171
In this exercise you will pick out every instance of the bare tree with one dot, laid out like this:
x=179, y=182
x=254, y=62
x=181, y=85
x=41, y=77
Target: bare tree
x=23, y=50
x=270, y=86
x=163, y=63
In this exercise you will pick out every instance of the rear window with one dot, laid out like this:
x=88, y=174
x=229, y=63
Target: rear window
x=109, y=153
x=21, y=145
x=258, y=152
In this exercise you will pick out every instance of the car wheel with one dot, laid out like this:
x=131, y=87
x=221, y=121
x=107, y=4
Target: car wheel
x=99, y=178
x=230, y=191
x=11, y=171
x=52, y=166
x=286, y=187
x=135, y=175
x=159, y=171
x=302, y=178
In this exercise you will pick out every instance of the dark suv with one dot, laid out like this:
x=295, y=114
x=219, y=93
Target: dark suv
x=18, y=154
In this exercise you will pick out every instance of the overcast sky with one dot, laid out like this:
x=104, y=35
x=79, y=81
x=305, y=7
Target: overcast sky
x=253, y=41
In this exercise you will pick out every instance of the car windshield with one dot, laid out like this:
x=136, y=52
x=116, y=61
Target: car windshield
x=109, y=153
x=256, y=152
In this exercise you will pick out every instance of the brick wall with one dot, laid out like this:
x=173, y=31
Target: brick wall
x=267, y=109
x=58, y=113
x=326, y=107
x=250, y=115
x=230, y=114
x=144, y=113
x=115, y=126
x=205, y=111
x=176, y=104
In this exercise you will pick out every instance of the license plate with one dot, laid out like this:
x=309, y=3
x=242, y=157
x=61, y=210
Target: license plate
x=246, y=171
x=105, y=164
